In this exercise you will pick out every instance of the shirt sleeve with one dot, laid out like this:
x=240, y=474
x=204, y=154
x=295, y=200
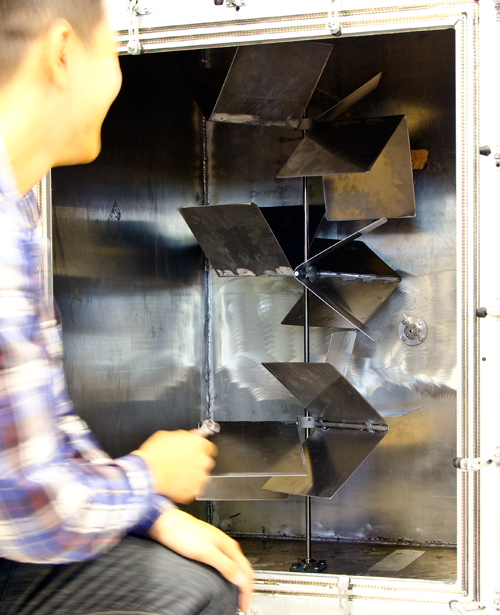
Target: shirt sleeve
x=62, y=499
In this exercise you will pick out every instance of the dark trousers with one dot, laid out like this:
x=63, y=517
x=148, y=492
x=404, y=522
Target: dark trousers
x=137, y=577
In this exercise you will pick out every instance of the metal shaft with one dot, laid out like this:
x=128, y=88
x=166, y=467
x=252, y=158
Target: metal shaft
x=306, y=352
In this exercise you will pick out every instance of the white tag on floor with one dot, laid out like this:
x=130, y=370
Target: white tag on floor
x=397, y=560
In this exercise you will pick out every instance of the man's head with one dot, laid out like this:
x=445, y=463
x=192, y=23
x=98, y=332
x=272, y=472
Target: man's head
x=23, y=21
x=61, y=54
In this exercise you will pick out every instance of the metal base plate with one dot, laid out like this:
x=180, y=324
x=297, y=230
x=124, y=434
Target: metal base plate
x=311, y=565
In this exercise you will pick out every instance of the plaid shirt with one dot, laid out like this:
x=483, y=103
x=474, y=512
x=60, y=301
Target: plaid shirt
x=62, y=499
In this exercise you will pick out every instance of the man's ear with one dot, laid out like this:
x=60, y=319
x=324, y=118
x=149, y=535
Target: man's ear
x=59, y=41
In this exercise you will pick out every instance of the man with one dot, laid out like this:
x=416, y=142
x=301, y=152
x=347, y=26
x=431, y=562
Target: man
x=73, y=522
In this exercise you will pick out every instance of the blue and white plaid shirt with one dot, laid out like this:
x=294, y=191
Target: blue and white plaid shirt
x=62, y=499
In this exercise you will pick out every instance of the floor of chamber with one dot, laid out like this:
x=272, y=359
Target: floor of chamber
x=429, y=563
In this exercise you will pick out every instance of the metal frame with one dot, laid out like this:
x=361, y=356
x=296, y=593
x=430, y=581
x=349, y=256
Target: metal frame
x=294, y=593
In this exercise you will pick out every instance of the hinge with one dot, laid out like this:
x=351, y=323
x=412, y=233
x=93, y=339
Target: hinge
x=237, y=4
x=471, y=607
x=333, y=22
x=136, y=8
x=343, y=583
x=487, y=150
x=472, y=465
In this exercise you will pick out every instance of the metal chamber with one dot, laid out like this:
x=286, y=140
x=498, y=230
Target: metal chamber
x=129, y=282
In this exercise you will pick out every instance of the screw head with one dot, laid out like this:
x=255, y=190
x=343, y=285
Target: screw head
x=296, y=274
x=420, y=323
x=405, y=322
x=404, y=338
x=420, y=339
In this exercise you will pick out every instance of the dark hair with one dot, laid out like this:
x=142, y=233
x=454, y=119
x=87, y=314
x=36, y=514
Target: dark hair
x=23, y=21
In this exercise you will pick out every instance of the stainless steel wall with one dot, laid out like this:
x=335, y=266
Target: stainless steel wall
x=406, y=489
x=128, y=273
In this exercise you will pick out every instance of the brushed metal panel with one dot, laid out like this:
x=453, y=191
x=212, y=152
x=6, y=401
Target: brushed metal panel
x=340, y=350
x=325, y=392
x=128, y=272
x=385, y=191
x=407, y=486
x=247, y=314
x=265, y=448
x=271, y=84
x=237, y=240
x=332, y=455
x=349, y=101
x=344, y=146
x=230, y=488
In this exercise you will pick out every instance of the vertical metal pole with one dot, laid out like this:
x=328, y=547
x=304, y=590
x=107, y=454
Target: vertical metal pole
x=306, y=348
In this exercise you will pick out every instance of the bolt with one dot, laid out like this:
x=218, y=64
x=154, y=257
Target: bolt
x=420, y=339
x=405, y=322
x=404, y=338
x=296, y=274
x=420, y=323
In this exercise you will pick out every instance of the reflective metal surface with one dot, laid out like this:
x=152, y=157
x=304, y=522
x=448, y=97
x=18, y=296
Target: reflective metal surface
x=386, y=190
x=349, y=101
x=324, y=392
x=128, y=272
x=348, y=146
x=407, y=486
x=340, y=350
x=332, y=455
x=267, y=85
x=137, y=307
x=258, y=449
x=230, y=488
x=352, y=283
x=237, y=240
x=271, y=84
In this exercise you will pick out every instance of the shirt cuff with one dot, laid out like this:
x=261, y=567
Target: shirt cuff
x=157, y=504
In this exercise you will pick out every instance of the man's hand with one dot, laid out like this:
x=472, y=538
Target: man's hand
x=179, y=462
x=204, y=543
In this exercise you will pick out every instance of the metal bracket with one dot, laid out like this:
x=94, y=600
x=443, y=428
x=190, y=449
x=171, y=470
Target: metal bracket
x=473, y=465
x=333, y=23
x=497, y=8
x=136, y=8
x=469, y=607
x=343, y=583
x=237, y=4
x=486, y=150
x=412, y=330
x=308, y=422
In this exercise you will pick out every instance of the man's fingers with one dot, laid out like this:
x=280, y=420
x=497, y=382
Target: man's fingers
x=229, y=570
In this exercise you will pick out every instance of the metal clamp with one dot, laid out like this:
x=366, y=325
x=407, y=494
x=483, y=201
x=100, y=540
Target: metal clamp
x=237, y=4
x=473, y=465
x=343, y=589
x=306, y=422
x=136, y=8
x=469, y=607
x=486, y=150
x=333, y=23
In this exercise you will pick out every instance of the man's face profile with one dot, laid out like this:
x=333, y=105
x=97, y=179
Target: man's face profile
x=94, y=82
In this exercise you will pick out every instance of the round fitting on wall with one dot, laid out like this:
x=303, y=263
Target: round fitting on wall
x=412, y=330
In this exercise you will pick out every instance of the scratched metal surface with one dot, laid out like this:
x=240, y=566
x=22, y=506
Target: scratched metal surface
x=406, y=488
x=128, y=272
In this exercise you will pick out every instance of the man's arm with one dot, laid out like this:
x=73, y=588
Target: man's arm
x=61, y=498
